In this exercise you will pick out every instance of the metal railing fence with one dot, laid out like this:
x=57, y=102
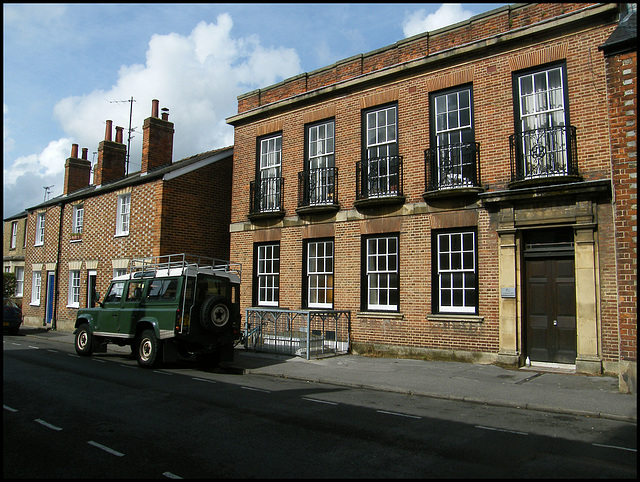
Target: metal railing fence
x=297, y=332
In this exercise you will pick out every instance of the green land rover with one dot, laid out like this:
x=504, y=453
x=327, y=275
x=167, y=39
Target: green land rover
x=165, y=306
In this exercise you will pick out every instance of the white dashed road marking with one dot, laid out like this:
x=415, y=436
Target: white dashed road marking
x=256, y=389
x=501, y=430
x=319, y=401
x=398, y=414
x=42, y=422
x=105, y=448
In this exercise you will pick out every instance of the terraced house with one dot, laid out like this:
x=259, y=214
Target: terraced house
x=77, y=242
x=13, y=250
x=467, y=193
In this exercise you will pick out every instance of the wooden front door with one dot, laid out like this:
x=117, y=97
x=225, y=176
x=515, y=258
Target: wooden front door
x=550, y=309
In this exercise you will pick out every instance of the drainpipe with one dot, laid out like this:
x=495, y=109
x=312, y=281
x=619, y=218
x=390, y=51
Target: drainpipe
x=54, y=317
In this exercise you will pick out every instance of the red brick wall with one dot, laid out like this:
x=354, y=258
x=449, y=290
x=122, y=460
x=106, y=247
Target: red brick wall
x=196, y=210
x=187, y=214
x=157, y=144
x=111, y=162
x=622, y=81
x=491, y=77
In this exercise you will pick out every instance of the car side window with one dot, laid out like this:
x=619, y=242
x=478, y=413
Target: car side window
x=115, y=292
x=163, y=290
x=135, y=291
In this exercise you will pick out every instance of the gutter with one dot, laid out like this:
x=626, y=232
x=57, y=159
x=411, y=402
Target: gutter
x=54, y=314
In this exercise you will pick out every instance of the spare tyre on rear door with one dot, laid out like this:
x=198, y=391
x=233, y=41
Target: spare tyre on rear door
x=215, y=314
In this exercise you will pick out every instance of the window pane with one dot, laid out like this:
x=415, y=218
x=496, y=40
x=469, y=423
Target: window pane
x=465, y=117
x=452, y=102
x=453, y=120
x=457, y=298
x=464, y=98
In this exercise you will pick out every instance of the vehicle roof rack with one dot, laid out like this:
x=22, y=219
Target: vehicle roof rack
x=182, y=263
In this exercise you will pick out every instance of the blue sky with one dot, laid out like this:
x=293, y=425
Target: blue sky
x=67, y=67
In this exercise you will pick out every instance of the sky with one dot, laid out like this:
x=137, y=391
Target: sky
x=70, y=67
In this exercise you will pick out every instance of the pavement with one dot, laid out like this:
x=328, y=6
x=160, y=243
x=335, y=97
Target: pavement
x=548, y=389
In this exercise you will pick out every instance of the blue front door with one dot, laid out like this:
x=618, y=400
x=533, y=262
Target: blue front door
x=51, y=278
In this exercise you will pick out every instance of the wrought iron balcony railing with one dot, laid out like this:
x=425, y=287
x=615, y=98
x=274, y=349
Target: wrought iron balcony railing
x=452, y=166
x=318, y=187
x=544, y=153
x=379, y=177
x=266, y=195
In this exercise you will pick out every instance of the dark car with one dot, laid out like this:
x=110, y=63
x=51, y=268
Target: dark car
x=11, y=316
x=164, y=306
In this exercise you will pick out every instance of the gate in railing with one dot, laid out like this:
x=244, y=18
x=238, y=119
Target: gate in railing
x=301, y=333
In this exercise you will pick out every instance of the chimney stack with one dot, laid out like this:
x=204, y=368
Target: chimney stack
x=77, y=172
x=119, y=134
x=107, y=132
x=111, y=158
x=157, y=140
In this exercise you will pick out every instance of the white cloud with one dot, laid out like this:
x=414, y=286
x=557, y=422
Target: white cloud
x=198, y=77
x=25, y=179
x=47, y=163
x=447, y=14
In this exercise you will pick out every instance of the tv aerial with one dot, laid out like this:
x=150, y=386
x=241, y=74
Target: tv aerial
x=130, y=101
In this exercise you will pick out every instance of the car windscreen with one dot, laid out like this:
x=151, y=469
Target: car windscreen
x=115, y=292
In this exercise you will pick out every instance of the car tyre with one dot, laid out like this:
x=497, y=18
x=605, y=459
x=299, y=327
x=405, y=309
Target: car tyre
x=215, y=314
x=84, y=340
x=149, y=348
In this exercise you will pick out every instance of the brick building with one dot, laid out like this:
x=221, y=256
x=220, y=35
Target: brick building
x=14, y=243
x=453, y=192
x=84, y=237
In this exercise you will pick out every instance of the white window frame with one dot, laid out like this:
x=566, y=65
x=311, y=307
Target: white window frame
x=270, y=173
x=36, y=286
x=321, y=153
x=320, y=264
x=123, y=217
x=382, y=273
x=457, y=272
x=453, y=122
x=268, y=273
x=78, y=218
x=541, y=105
x=14, y=234
x=19, y=281
x=381, y=147
x=74, y=289
x=40, y=220
x=119, y=272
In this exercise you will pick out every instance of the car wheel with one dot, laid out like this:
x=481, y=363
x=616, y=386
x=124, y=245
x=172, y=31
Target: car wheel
x=148, y=350
x=215, y=314
x=84, y=340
